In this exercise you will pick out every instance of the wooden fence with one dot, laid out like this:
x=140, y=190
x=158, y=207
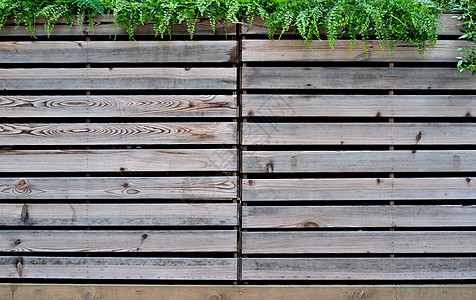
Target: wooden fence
x=234, y=160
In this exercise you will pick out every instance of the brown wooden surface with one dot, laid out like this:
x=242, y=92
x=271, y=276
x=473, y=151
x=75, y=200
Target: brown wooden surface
x=246, y=292
x=119, y=106
x=359, y=216
x=358, y=105
x=118, y=79
x=115, y=214
x=118, y=268
x=118, y=160
x=118, y=241
x=313, y=78
x=359, y=161
x=341, y=242
x=118, y=51
x=358, y=268
x=358, y=189
x=218, y=133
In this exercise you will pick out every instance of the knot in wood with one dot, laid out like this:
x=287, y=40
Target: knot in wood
x=269, y=168
x=468, y=179
x=21, y=187
x=357, y=294
x=310, y=224
x=215, y=297
x=17, y=242
x=87, y=296
x=250, y=182
x=145, y=235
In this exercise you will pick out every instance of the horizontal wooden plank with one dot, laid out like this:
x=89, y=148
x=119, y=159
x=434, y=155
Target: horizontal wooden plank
x=357, y=133
x=329, y=242
x=118, y=52
x=195, y=188
x=105, y=26
x=358, y=189
x=217, y=133
x=118, y=268
x=137, y=160
x=312, y=78
x=449, y=22
x=296, y=50
x=130, y=214
x=359, y=161
x=118, y=241
x=143, y=106
x=359, y=216
x=247, y=292
x=358, y=268
x=358, y=105
x=118, y=79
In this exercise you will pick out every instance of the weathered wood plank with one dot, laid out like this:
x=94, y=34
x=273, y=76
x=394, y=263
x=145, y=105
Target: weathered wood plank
x=358, y=268
x=358, y=216
x=358, y=105
x=217, y=133
x=246, y=292
x=118, y=52
x=118, y=241
x=312, y=78
x=450, y=27
x=142, y=106
x=359, y=161
x=105, y=26
x=358, y=242
x=296, y=50
x=198, y=214
x=118, y=268
x=356, y=133
x=118, y=160
x=118, y=79
x=202, y=187
x=358, y=189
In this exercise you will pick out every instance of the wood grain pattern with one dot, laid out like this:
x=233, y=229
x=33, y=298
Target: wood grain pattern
x=118, y=160
x=118, y=79
x=358, y=268
x=296, y=50
x=358, y=105
x=118, y=52
x=142, y=106
x=359, y=216
x=130, y=214
x=246, y=292
x=450, y=27
x=118, y=241
x=358, y=161
x=333, y=242
x=358, y=133
x=217, y=133
x=119, y=268
x=105, y=27
x=202, y=187
x=312, y=78
x=358, y=189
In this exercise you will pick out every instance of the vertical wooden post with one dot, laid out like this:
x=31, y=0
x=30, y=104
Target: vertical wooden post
x=391, y=148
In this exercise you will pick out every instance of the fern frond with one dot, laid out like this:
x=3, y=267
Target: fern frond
x=95, y=6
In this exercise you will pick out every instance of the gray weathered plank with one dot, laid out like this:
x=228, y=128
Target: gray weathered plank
x=296, y=50
x=359, y=216
x=358, y=105
x=358, y=268
x=198, y=214
x=359, y=161
x=357, y=133
x=329, y=242
x=118, y=160
x=118, y=52
x=118, y=268
x=312, y=78
x=105, y=26
x=218, y=133
x=202, y=187
x=450, y=27
x=143, y=106
x=358, y=189
x=118, y=241
x=118, y=79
